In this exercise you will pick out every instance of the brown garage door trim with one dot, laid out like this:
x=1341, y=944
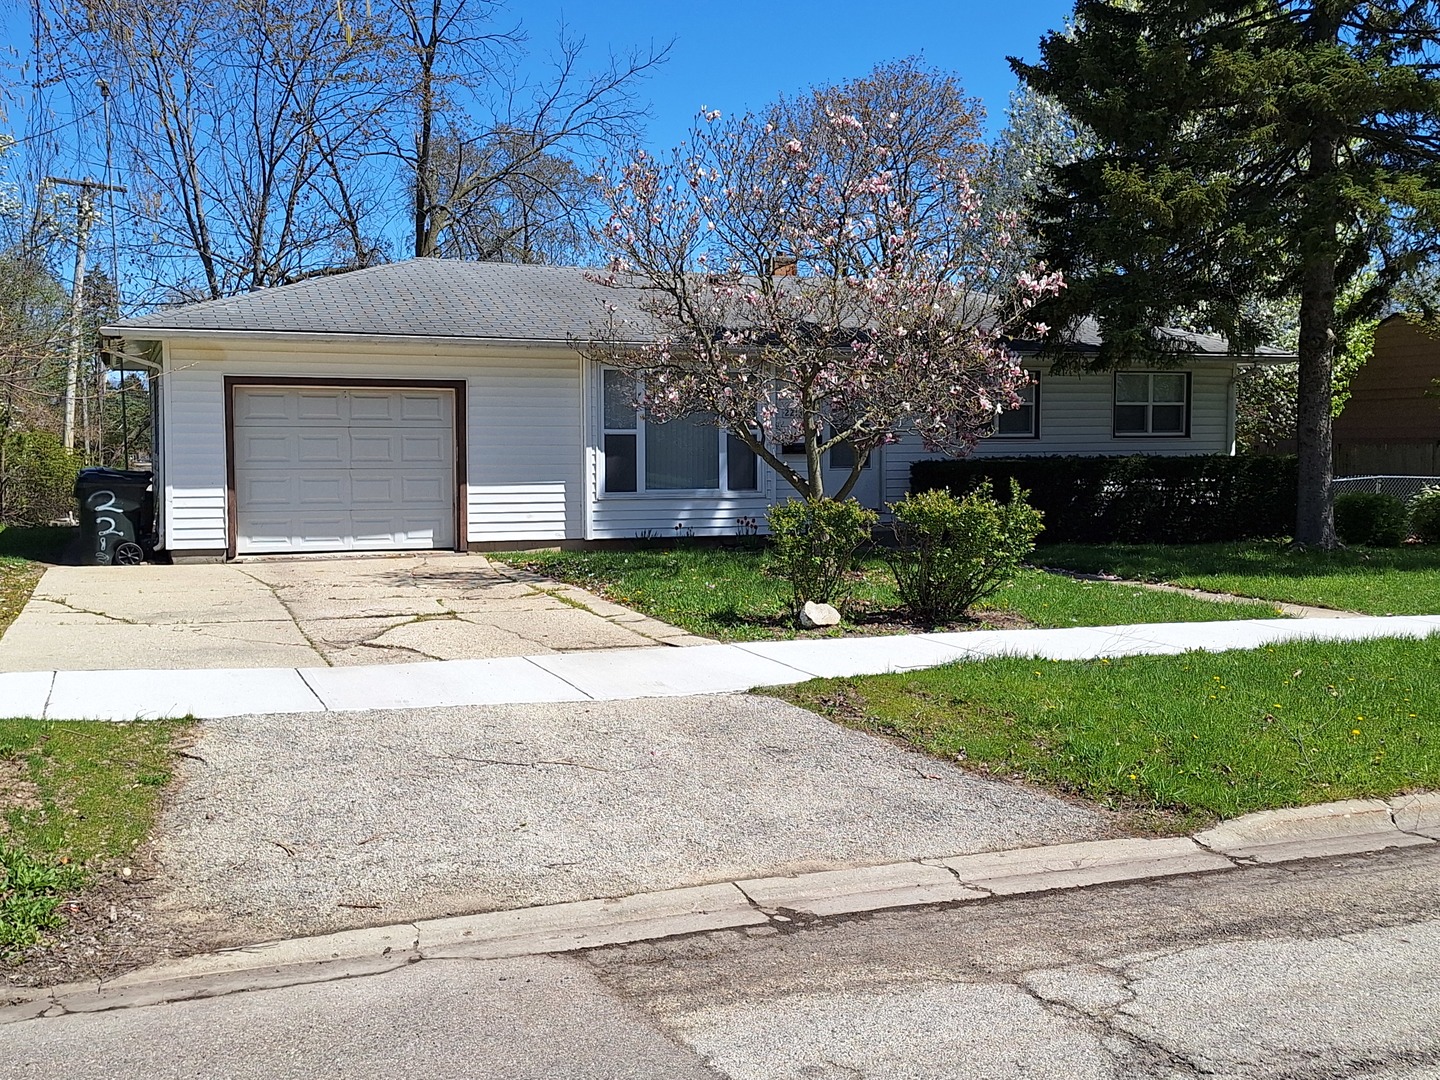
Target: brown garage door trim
x=234, y=382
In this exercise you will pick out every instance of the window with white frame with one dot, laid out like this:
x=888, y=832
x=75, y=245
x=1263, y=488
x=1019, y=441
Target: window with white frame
x=688, y=454
x=1152, y=403
x=1023, y=421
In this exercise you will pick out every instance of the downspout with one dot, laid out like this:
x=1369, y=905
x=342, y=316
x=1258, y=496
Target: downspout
x=1231, y=403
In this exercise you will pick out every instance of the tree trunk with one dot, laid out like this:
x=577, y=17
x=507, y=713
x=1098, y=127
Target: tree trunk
x=1320, y=223
x=1314, y=510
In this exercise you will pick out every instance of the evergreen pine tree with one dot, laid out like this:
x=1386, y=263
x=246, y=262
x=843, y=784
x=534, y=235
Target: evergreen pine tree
x=1245, y=149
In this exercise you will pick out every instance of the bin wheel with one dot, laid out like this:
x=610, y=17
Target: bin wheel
x=128, y=554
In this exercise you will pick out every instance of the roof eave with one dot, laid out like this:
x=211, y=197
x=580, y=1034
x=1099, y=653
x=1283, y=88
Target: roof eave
x=206, y=333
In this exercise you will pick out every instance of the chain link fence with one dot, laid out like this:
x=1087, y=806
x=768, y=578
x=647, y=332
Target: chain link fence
x=1402, y=487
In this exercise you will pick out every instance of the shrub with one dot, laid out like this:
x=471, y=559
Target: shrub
x=1137, y=499
x=1371, y=518
x=1425, y=515
x=814, y=543
x=37, y=478
x=953, y=552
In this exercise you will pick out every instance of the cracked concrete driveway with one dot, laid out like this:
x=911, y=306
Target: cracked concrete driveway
x=311, y=613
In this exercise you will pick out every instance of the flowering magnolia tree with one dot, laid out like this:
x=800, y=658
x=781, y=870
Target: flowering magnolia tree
x=821, y=273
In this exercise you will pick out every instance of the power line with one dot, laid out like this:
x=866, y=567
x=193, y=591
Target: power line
x=59, y=127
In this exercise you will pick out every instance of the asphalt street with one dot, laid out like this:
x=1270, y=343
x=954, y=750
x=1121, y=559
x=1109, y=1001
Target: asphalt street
x=1306, y=971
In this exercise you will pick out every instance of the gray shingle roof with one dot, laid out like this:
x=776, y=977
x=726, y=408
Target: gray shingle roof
x=447, y=298
x=419, y=297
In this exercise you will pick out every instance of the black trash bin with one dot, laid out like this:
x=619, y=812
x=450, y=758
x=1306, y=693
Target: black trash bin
x=117, y=515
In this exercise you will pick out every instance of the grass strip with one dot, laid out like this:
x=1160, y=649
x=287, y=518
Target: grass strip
x=1374, y=581
x=73, y=796
x=22, y=551
x=1187, y=739
x=726, y=593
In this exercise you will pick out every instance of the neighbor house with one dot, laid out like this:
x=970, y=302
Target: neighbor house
x=1391, y=424
x=438, y=404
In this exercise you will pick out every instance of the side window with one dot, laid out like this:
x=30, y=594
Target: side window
x=842, y=455
x=621, y=425
x=1155, y=403
x=1023, y=421
x=687, y=454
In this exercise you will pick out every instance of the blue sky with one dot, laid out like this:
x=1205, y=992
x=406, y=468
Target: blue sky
x=746, y=52
x=757, y=49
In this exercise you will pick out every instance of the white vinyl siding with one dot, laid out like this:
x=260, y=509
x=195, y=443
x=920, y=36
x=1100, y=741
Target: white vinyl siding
x=1076, y=416
x=523, y=428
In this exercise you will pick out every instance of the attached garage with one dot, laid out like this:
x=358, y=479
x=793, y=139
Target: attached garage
x=363, y=465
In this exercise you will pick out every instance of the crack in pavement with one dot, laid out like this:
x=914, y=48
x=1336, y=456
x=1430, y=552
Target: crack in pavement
x=275, y=592
x=61, y=602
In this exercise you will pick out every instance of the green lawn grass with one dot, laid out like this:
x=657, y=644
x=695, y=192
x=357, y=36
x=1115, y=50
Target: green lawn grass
x=725, y=593
x=73, y=796
x=1186, y=739
x=1375, y=581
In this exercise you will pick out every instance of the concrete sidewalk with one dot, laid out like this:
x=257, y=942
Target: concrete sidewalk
x=611, y=674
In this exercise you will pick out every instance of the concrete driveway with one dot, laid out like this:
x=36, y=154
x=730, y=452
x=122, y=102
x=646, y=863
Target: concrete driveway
x=312, y=612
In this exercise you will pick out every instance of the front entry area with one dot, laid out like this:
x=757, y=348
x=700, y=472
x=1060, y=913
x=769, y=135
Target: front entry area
x=343, y=468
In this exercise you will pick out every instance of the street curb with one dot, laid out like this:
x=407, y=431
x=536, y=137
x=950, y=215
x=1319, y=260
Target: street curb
x=773, y=903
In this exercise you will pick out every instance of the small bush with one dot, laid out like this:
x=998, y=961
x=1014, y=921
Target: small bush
x=814, y=543
x=31, y=892
x=1425, y=515
x=1371, y=518
x=953, y=552
x=37, y=478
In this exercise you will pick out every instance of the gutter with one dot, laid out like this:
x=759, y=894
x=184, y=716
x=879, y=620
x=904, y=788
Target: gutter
x=186, y=333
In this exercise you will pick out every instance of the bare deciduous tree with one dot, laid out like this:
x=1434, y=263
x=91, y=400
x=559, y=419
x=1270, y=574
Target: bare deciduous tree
x=484, y=136
x=238, y=124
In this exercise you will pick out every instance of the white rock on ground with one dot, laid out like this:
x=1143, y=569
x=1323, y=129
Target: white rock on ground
x=813, y=615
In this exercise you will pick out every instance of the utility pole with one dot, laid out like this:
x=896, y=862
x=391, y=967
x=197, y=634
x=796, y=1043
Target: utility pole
x=84, y=218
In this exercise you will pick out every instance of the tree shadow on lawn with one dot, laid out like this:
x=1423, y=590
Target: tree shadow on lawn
x=1154, y=562
x=39, y=543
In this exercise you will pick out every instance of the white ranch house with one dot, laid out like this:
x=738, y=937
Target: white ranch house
x=437, y=404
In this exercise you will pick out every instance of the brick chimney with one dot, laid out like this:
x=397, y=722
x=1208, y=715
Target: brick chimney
x=784, y=266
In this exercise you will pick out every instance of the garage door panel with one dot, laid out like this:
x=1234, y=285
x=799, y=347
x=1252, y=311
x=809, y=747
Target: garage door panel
x=376, y=448
x=278, y=447
x=419, y=490
x=260, y=405
x=380, y=531
x=321, y=406
x=409, y=491
x=434, y=409
x=270, y=533
x=267, y=491
x=342, y=469
x=314, y=490
x=418, y=448
x=265, y=448
x=329, y=448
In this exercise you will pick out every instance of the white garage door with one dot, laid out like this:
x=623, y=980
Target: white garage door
x=344, y=469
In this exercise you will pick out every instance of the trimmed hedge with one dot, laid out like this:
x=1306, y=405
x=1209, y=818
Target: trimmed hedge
x=1138, y=499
